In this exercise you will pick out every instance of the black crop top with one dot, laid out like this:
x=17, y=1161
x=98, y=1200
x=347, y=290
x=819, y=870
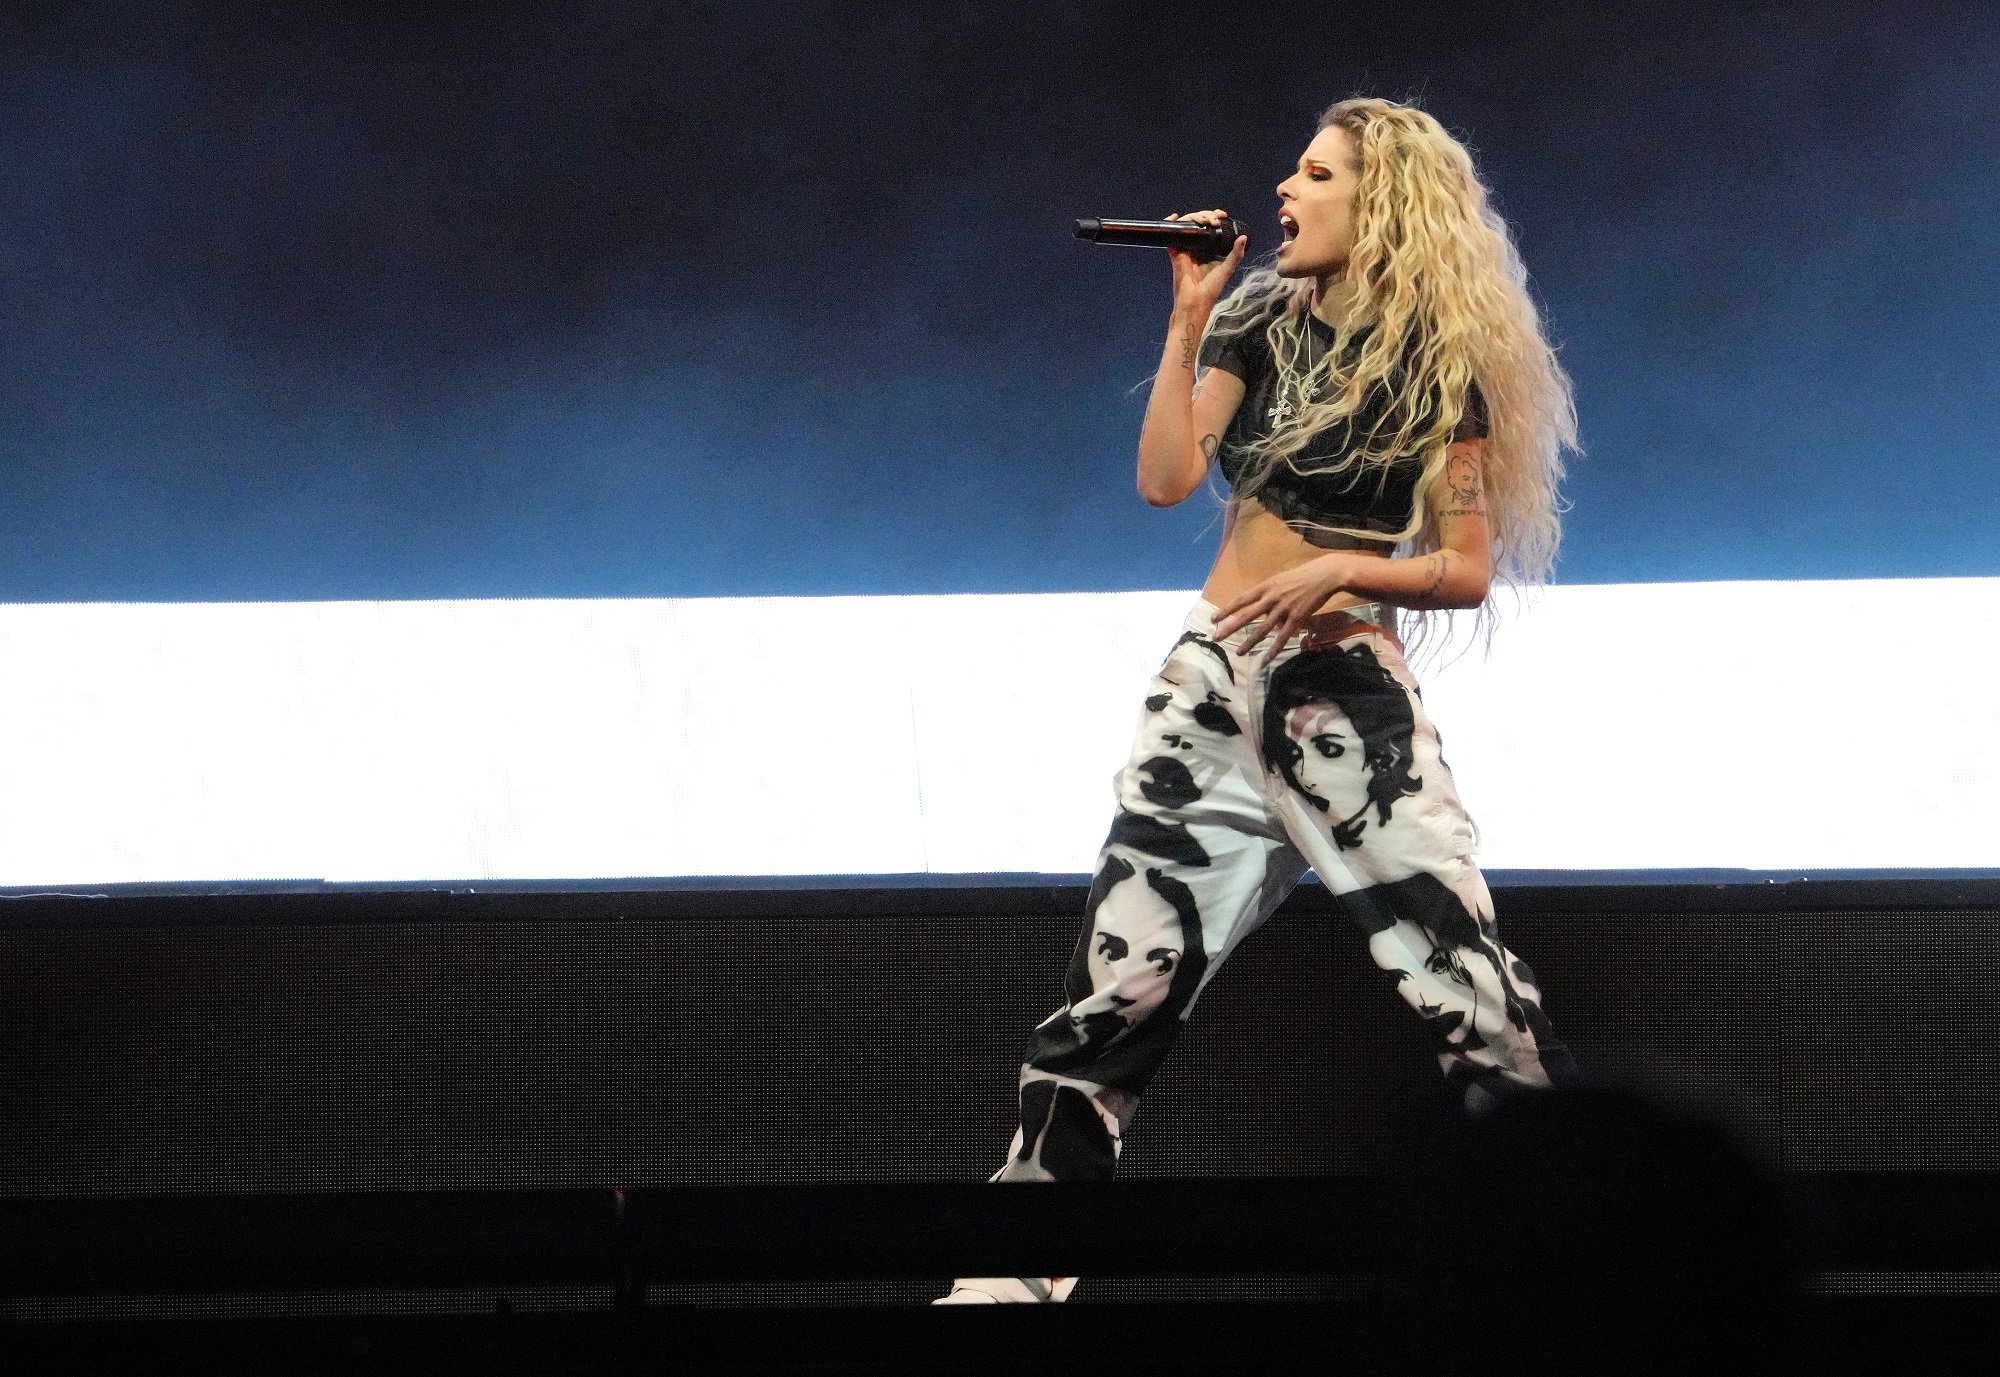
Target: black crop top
x=1367, y=499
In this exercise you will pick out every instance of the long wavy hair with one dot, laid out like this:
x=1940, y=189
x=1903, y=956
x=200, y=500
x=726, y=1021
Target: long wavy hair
x=1440, y=298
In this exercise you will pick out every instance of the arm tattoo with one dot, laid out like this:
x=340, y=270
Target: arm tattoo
x=1437, y=565
x=1188, y=341
x=1461, y=475
x=1209, y=444
x=1461, y=480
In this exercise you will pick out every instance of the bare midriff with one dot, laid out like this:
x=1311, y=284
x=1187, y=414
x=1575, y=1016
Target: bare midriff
x=1255, y=545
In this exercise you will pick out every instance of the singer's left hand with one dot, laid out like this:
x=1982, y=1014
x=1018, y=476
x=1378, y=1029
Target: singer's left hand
x=1282, y=602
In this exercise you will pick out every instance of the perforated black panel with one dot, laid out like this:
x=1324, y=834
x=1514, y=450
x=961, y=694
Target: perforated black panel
x=1689, y=1004
x=626, y=1047
x=1883, y=1061
x=224, y=1058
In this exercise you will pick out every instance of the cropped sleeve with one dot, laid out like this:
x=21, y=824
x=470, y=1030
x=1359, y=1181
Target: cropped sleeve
x=1237, y=352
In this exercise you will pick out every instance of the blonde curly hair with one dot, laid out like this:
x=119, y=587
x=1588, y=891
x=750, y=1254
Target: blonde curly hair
x=1436, y=275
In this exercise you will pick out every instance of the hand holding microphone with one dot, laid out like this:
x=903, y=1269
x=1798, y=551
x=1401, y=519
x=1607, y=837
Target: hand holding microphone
x=1207, y=236
x=1204, y=248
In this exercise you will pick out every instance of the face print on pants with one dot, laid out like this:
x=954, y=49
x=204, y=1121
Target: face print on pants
x=1134, y=972
x=1342, y=731
x=1236, y=783
x=1135, y=947
x=1338, y=727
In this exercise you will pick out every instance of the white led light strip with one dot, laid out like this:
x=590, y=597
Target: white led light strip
x=1844, y=725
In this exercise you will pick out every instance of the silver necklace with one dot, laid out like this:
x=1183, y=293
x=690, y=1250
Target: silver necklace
x=1283, y=410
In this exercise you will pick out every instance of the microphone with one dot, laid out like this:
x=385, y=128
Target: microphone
x=1206, y=243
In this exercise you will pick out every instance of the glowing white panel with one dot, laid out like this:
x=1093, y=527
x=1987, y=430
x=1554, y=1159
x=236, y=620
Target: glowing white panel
x=1025, y=706
x=1767, y=726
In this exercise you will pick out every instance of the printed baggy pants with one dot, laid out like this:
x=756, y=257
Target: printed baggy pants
x=1244, y=774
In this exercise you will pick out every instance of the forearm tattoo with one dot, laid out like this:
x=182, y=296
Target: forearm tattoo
x=1209, y=444
x=1189, y=341
x=1437, y=568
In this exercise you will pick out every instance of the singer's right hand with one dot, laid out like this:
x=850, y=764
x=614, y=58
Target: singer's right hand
x=1198, y=286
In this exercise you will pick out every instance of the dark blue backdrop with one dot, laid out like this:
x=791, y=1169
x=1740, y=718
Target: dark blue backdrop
x=629, y=299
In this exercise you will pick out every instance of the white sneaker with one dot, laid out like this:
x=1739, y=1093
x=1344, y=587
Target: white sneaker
x=1007, y=1290
x=965, y=1295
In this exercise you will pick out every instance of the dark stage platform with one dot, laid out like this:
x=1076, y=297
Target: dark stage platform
x=738, y=1127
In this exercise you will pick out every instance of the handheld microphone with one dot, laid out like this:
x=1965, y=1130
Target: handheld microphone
x=1205, y=243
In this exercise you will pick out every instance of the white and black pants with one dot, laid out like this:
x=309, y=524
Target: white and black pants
x=1244, y=774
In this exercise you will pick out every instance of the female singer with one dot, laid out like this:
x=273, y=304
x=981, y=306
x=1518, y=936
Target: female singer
x=1390, y=422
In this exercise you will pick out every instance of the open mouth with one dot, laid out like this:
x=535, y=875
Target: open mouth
x=1288, y=226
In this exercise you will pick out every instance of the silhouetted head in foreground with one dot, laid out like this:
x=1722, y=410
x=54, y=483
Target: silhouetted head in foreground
x=1594, y=1228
